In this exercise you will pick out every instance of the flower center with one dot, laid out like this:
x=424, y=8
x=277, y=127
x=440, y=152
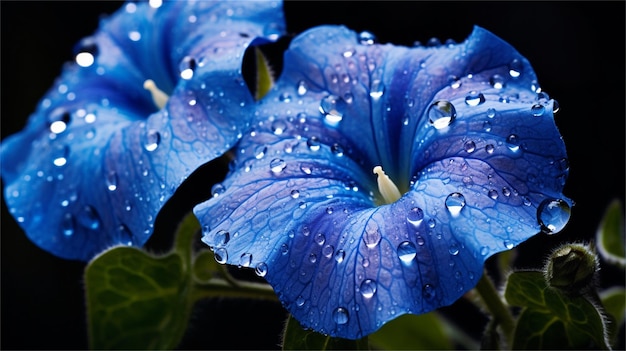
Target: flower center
x=158, y=96
x=386, y=186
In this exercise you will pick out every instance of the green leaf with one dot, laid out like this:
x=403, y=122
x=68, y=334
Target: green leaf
x=610, y=235
x=264, y=75
x=297, y=338
x=412, y=332
x=551, y=319
x=139, y=301
x=614, y=302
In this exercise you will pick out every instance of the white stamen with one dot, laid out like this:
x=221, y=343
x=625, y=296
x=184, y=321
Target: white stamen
x=386, y=187
x=158, y=96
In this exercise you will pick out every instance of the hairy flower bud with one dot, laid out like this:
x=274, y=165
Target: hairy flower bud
x=572, y=268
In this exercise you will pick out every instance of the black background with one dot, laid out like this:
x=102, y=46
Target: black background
x=576, y=48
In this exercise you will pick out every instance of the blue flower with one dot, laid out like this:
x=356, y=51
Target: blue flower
x=468, y=163
x=101, y=155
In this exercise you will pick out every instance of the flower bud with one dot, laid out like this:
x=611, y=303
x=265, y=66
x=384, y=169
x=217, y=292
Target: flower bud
x=572, y=268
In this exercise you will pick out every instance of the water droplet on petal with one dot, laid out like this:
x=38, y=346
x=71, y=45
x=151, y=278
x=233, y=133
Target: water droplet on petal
x=88, y=217
x=489, y=148
x=377, y=89
x=493, y=194
x=58, y=120
x=372, y=236
x=515, y=68
x=67, y=224
x=245, y=259
x=537, y=110
x=60, y=155
x=261, y=269
x=332, y=108
x=222, y=237
x=491, y=112
x=300, y=301
x=366, y=38
x=455, y=203
x=302, y=88
x=441, y=114
x=312, y=258
x=217, y=189
x=454, y=249
x=340, y=315
x=111, y=180
x=278, y=127
x=553, y=215
x=469, y=146
x=555, y=106
x=152, y=140
x=454, y=81
x=509, y=245
x=277, y=165
x=340, y=255
x=406, y=252
x=497, y=81
x=415, y=216
x=284, y=249
x=187, y=67
x=313, y=143
x=328, y=251
x=368, y=288
x=221, y=255
x=428, y=290
x=512, y=142
x=474, y=98
x=484, y=251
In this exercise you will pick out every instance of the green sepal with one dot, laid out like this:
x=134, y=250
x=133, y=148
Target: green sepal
x=297, y=338
x=614, y=302
x=551, y=318
x=610, y=235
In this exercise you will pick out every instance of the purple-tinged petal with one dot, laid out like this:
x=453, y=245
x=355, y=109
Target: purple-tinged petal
x=300, y=205
x=98, y=158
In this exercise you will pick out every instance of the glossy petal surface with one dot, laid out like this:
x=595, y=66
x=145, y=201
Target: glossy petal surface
x=98, y=158
x=453, y=126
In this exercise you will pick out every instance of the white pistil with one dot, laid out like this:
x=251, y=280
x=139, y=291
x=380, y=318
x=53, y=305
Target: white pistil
x=158, y=96
x=386, y=187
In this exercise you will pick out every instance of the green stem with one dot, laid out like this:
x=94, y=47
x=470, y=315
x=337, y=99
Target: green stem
x=494, y=303
x=218, y=287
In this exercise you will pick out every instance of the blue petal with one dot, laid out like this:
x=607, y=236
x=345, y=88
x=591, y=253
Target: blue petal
x=300, y=204
x=98, y=158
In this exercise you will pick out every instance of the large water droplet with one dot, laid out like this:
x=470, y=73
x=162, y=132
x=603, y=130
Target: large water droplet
x=415, y=216
x=88, y=217
x=406, y=252
x=428, y=290
x=513, y=143
x=277, y=165
x=222, y=237
x=86, y=55
x=537, y=110
x=332, y=108
x=340, y=315
x=441, y=114
x=187, y=67
x=377, y=89
x=368, y=288
x=152, y=140
x=221, y=255
x=553, y=215
x=469, y=146
x=245, y=259
x=474, y=98
x=111, y=180
x=261, y=269
x=372, y=236
x=455, y=203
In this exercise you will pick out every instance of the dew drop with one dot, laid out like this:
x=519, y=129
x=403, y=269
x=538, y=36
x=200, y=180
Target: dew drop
x=152, y=140
x=368, y=288
x=489, y=148
x=320, y=239
x=302, y=88
x=340, y=315
x=60, y=155
x=187, y=67
x=217, y=189
x=474, y=98
x=493, y=194
x=312, y=258
x=125, y=236
x=454, y=81
x=340, y=255
x=553, y=215
x=406, y=252
x=260, y=152
x=221, y=255
x=555, y=106
x=245, y=259
x=295, y=194
x=512, y=142
x=509, y=245
x=491, y=112
x=428, y=290
x=484, y=251
x=328, y=251
x=420, y=240
x=332, y=108
x=441, y=114
x=313, y=143
x=415, y=216
x=337, y=150
x=366, y=38
x=111, y=180
x=454, y=249
x=222, y=237
x=300, y=301
x=469, y=146
x=538, y=110
x=59, y=120
x=284, y=249
x=377, y=89
x=515, y=68
x=278, y=127
x=455, y=203
x=89, y=218
x=372, y=236
x=67, y=224
x=261, y=269
x=497, y=81
x=277, y=165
